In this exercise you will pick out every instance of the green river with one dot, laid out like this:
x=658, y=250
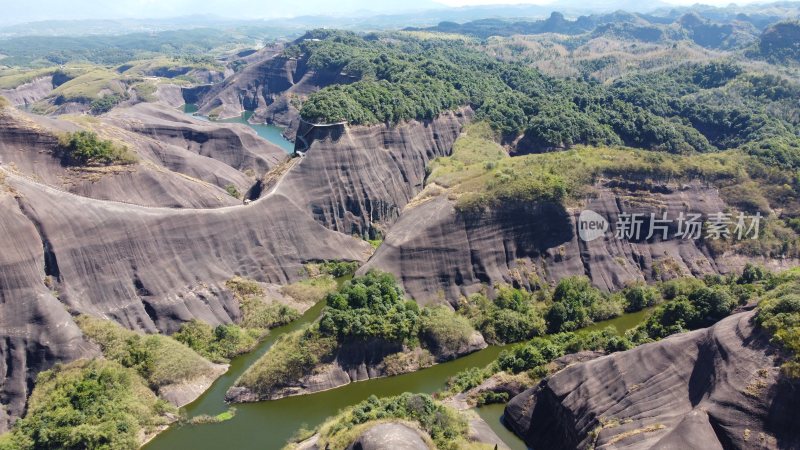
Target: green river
x=268, y=425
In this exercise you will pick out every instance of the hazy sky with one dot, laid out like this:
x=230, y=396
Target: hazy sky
x=15, y=11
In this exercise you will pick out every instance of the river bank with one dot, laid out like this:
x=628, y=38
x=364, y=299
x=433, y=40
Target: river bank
x=270, y=424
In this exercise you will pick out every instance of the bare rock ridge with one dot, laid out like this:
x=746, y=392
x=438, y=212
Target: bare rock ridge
x=357, y=180
x=715, y=388
x=186, y=164
x=438, y=253
x=29, y=93
x=389, y=435
x=149, y=269
x=267, y=86
x=235, y=145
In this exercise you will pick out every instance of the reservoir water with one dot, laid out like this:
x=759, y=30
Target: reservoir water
x=268, y=425
x=271, y=133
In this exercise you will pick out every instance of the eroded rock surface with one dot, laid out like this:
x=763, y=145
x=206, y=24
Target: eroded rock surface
x=29, y=93
x=714, y=388
x=356, y=180
x=182, y=162
x=439, y=254
x=149, y=269
x=385, y=436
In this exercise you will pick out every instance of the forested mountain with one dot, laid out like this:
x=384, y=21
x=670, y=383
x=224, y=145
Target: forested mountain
x=344, y=205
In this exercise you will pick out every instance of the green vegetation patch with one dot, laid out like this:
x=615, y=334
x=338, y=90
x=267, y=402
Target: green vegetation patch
x=220, y=343
x=366, y=308
x=257, y=312
x=336, y=269
x=89, y=86
x=206, y=419
x=681, y=109
x=13, y=78
x=310, y=291
x=86, y=148
x=145, y=91
x=370, y=307
x=88, y=404
x=159, y=359
x=513, y=315
x=443, y=330
x=780, y=315
x=223, y=342
x=233, y=191
x=291, y=357
x=480, y=174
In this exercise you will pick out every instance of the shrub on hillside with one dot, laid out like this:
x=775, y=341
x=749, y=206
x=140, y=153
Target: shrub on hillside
x=88, y=404
x=572, y=299
x=159, y=359
x=86, y=148
x=513, y=316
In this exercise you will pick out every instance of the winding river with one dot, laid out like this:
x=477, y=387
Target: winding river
x=268, y=425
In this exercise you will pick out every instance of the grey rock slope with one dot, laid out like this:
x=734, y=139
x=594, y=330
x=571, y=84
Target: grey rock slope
x=440, y=254
x=235, y=145
x=356, y=180
x=266, y=86
x=29, y=93
x=716, y=388
x=183, y=162
x=389, y=436
x=148, y=269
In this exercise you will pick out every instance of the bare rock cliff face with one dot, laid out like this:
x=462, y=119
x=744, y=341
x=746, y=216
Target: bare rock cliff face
x=266, y=86
x=716, y=388
x=183, y=162
x=29, y=93
x=149, y=269
x=439, y=254
x=356, y=180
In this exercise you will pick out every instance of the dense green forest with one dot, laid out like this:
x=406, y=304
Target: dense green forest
x=400, y=77
x=42, y=51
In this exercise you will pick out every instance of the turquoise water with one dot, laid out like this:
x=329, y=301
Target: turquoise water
x=271, y=133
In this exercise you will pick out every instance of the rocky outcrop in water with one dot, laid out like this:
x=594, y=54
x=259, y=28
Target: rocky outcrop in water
x=713, y=388
x=360, y=361
x=438, y=253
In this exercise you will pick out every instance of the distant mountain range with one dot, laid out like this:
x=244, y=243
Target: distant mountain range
x=720, y=28
x=421, y=13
